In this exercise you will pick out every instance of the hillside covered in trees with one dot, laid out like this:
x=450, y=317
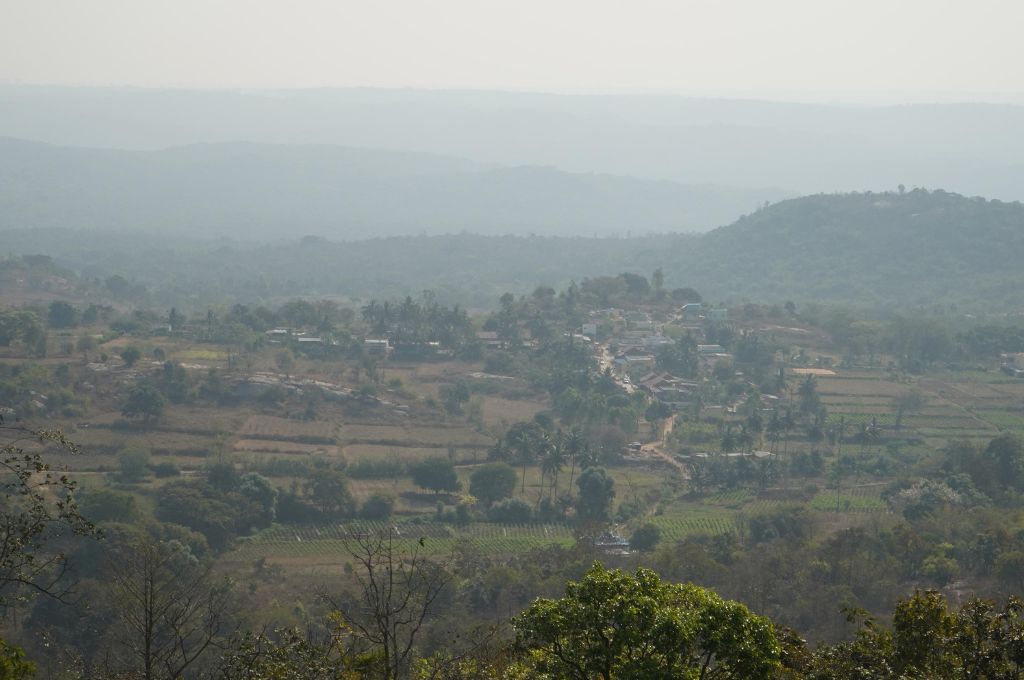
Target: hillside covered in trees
x=890, y=251
x=917, y=247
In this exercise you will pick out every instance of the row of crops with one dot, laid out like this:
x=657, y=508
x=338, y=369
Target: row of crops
x=717, y=514
x=675, y=527
x=857, y=499
x=429, y=538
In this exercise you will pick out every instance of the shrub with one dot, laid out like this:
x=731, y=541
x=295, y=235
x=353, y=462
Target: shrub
x=510, y=511
x=375, y=469
x=165, y=469
x=378, y=506
x=645, y=538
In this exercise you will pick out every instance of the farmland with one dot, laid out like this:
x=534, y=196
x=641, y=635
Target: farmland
x=330, y=544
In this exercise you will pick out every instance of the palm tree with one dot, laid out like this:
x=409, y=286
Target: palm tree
x=554, y=461
x=523, y=441
x=841, y=432
x=575, y=445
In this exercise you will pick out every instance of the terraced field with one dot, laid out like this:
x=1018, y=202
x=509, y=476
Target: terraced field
x=964, y=405
x=272, y=427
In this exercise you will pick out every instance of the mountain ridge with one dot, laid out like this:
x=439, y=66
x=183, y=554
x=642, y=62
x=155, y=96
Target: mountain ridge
x=879, y=250
x=270, y=190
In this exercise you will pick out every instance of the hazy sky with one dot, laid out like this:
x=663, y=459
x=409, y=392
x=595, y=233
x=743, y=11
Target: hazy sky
x=686, y=46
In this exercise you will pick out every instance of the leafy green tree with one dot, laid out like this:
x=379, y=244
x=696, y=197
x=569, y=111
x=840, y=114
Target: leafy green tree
x=13, y=664
x=645, y=538
x=680, y=357
x=86, y=344
x=107, y=505
x=144, y=401
x=202, y=509
x=596, y=492
x=810, y=402
x=613, y=625
x=510, y=511
x=685, y=295
x=454, y=396
x=1005, y=454
x=379, y=506
x=129, y=355
x=19, y=326
x=907, y=403
x=1010, y=569
x=133, y=464
x=330, y=494
x=436, y=474
x=921, y=628
x=285, y=361
x=222, y=476
x=929, y=640
x=61, y=315
x=657, y=411
x=491, y=482
x=261, y=491
x=174, y=382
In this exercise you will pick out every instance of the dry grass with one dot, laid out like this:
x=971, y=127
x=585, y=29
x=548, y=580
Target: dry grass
x=272, y=427
x=501, y=411
x=287, y=447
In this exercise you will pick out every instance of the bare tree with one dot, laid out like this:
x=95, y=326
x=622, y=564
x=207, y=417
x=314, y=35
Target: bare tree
x=288, y=654
x=170, y=608
x=395, y=598
x=38, y=512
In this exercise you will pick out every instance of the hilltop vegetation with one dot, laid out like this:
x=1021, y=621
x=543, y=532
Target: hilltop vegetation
x=895, y=251
x=917, y=248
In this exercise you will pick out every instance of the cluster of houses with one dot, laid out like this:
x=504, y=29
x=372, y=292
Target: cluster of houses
x=1013, y=364
x=638, y=341
x=672, y=391
x=757, y=455
x=316, y=345
x=276, y=336
x=637, y=337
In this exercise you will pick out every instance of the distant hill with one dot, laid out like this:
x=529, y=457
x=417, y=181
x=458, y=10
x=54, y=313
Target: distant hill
x=888, y=251
x=970, y=148
x=272, y=191
x=918, y=248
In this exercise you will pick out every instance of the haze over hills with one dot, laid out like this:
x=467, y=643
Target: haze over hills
x=970, y=148
x=269, y=191
x=890, y=251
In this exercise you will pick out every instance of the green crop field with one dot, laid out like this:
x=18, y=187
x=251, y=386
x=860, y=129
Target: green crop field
x=850, y=500
x=681, y=525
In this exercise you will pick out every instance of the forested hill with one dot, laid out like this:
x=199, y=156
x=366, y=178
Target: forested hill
x=888, y=250
x=915, y=248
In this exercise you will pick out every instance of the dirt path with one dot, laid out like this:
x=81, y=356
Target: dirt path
x=656, y=449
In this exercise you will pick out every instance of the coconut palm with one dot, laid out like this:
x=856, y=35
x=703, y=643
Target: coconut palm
x=574, y=445
x=553, y=461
